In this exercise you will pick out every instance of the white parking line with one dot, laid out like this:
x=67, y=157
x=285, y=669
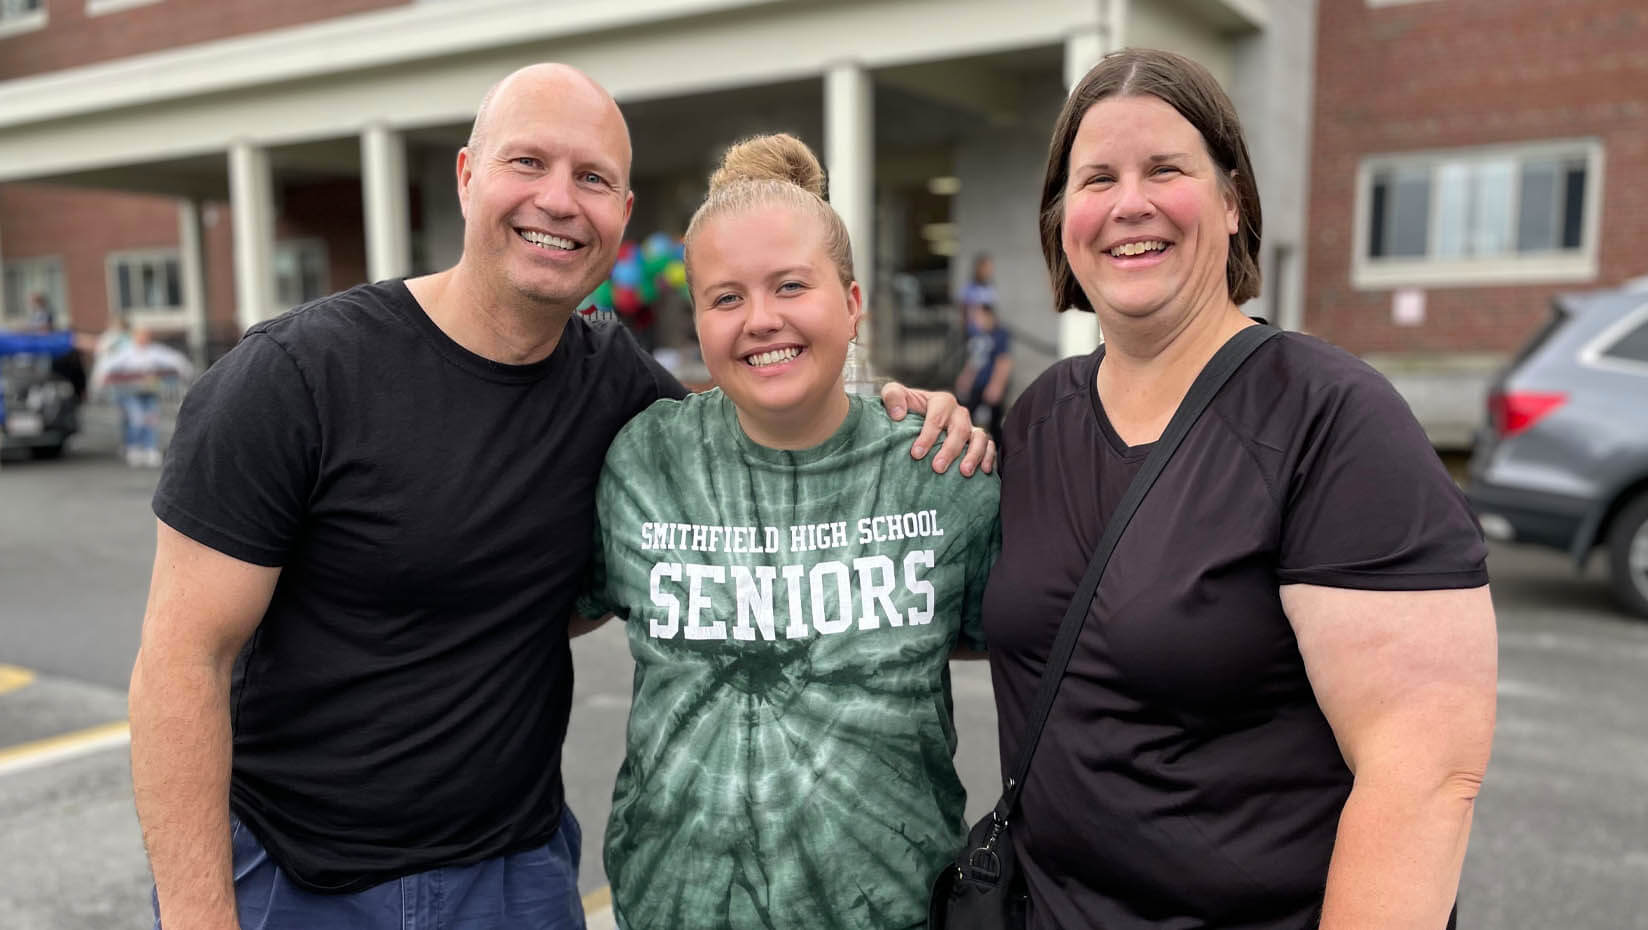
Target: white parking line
x=42, y=752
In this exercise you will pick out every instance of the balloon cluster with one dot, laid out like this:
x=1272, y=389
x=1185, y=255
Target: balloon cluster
x=637, y=277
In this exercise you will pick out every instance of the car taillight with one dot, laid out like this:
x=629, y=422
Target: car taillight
x=1511, y=412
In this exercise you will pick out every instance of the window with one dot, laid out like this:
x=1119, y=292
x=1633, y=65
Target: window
x=300, y=272
x=1479, y=216
x=1632, y=347
x=145, y=282
x=21, y=16
x=1624, y=345
x=26, y=278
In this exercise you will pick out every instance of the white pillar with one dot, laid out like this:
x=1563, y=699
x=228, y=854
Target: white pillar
x=384, y=191
x=2, y=287
x=1078, y=331
x=252, y=201
x=192, y=266
x=849, y=157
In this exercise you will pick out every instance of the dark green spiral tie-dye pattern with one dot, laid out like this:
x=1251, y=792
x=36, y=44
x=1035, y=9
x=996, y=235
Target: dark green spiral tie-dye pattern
x=785, y=771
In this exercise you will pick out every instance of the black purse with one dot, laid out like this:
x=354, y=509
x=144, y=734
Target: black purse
x=983, y=888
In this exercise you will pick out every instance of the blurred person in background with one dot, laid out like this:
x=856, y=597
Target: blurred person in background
x=786, y=768
x=382, y=502
x=136, y=373
x=981, y=284
x=42, y=319
x=1280, y=708
x=982, y=384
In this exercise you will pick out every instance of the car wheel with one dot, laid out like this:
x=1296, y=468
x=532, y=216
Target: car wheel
x=1628, y=556
x=49, y=452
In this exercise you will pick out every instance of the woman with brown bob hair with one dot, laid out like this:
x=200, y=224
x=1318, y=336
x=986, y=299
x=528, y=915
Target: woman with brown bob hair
x=1281, y=704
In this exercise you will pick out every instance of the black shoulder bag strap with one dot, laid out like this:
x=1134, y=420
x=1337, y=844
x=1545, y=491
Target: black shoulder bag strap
x=1213, y=376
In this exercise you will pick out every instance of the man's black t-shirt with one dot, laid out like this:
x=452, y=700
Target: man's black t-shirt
x=1187, y=777
x=403, y=702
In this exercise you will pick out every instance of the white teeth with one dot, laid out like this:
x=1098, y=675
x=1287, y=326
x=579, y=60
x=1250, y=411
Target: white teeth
x=1138, y=248
x=763, y=359
x=546, y=240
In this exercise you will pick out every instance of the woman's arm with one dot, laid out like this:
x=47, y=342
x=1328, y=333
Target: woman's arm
x=1407, y=681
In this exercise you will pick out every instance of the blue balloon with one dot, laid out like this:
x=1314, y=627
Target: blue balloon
x=627, y=272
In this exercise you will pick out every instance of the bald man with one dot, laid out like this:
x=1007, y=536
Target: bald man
x=353, y=685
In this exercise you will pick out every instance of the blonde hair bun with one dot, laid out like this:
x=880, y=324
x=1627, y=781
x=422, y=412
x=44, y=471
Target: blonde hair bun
x=775, y=157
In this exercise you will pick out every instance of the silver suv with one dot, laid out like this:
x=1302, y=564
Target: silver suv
x=1563, y=459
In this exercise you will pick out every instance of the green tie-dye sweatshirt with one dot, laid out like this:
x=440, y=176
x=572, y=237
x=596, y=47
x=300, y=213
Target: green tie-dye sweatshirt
x=791, y=614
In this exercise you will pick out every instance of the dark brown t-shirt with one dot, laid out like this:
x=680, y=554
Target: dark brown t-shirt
x=1186, y=777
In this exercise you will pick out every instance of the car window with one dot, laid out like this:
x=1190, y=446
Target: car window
x=1632, y=347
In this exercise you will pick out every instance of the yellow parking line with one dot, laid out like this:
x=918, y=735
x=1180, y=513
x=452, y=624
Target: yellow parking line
x=12, y=678
x=67, y=745
x=598, y=902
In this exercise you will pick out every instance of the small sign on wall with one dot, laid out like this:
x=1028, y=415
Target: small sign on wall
x=1408, y=307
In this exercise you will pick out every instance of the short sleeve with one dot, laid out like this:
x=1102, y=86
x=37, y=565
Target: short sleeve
x=1369, y=504
x=593, y=600
x=978, y=575
x=243, y=462
x=983, y=546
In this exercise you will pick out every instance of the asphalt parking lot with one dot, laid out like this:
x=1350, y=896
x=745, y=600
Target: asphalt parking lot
x=1560, y=838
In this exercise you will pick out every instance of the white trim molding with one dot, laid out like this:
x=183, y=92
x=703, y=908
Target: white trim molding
x=1556, y=265
x=105, y=7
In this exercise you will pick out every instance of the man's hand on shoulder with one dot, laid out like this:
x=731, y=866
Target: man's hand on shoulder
x=944, y=414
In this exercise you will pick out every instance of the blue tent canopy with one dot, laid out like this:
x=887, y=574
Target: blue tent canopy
x=52, y=344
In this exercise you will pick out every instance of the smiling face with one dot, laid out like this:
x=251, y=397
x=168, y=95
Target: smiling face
x=774, y=321
x=544, y=187
x=1147, y=214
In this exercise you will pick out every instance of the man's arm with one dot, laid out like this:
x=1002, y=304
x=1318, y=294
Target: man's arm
x=943, y=414
x=203, y=606
x=1407, y=681
x=578, y=624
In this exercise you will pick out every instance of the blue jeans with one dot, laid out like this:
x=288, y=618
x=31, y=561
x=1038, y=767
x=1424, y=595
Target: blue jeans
x=137, y=420
x=535, y=889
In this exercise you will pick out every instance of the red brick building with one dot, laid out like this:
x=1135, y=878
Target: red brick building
x=94, y=251
x=1469, y=159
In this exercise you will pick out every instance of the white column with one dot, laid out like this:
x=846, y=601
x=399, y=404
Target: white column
x=849, y=159
x=2, y=287
x=252, y=202
x=192, y=266
x=384, y=190
x=1078, y=331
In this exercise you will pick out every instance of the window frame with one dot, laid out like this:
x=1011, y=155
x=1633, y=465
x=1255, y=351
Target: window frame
x=313, y=244
x=18, y=23
x=20, y=314
x=1576, y=265
x=164, y=317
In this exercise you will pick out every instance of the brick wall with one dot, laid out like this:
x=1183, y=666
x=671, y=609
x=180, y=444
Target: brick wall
x=71, y=37
x=1444, y=73
x=82, y=227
